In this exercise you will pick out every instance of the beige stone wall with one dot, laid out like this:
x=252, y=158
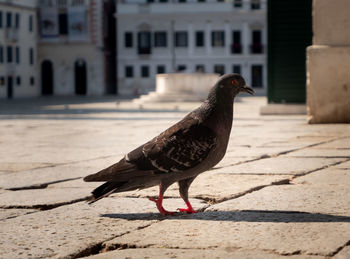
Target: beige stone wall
x=328, y=63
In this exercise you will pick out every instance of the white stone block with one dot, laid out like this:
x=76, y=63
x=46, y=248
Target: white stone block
x=328, y=84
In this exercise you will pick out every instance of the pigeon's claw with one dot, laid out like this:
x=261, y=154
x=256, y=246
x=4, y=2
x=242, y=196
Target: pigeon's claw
x=189, y=209
x=159, y=202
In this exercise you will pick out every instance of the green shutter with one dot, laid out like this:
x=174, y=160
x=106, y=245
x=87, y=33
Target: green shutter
x=289, y=33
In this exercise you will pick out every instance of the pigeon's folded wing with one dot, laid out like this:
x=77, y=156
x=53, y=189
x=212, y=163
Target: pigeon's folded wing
x=178, y=150
x=181, y=147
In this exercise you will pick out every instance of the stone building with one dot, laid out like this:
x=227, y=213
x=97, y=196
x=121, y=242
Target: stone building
x=18, y=49
x=214, y=36
x=76, y=47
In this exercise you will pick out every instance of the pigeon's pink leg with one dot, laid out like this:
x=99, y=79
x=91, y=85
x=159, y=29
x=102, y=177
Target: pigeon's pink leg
x=159, y=202
x=189, y=209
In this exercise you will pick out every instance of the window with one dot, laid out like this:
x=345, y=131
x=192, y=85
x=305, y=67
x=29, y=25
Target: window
x=2, y=80
x=219, y=69
x=200, y=1
x=30, y=23
x=63, y=23
x=17, y=55
x=0, y=19
x=129, y=71
x=32, y=81
x=255, y=4
x=236, y=69
x=199, y=38
x=31, y=56
x=163, y=1
x=236, y=45
x=256, y=47
x=257, y=76
x=9, y=54
x=1, y=54
x=8, y=20
x=144, y=71
x=128, y=39
x=144, y=42
x=181, y=39
x=17, y=21
x=182, y=1
x=18, y=80
x=160, y=69
x=237, y=3
x=218, y=38
x=150, y=1
x=181, y=68
x=160, y=39
x=200, y=69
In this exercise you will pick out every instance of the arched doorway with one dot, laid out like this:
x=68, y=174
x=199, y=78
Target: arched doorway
x=80, y=77
x=46, y=77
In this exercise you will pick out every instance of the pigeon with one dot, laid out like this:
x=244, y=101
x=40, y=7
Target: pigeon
x=190, y=147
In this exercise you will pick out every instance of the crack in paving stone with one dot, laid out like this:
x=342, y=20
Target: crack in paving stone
x=41, y=185
x=213, y=201
x=42, y=207
x=340, y=248
x=102, y=247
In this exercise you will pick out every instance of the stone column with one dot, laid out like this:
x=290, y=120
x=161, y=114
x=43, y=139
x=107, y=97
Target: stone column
x=328, y=63
x=190, y=39
x=208, y=46
x=227, y=39
x=245, y=38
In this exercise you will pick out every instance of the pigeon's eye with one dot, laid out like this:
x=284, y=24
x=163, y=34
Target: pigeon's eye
x=234, y=82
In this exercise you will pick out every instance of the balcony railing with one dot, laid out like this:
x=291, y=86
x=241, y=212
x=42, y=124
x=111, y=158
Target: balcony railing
x=236, y=48
x=256, y=48
x=144, y=51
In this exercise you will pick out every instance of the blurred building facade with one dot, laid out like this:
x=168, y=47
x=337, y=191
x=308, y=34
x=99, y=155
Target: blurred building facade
x=18, y=49
x=165, y=36
x=76, y=47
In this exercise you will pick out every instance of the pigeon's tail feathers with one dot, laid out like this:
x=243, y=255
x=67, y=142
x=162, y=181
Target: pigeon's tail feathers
x=104, y=190
x=118, y=171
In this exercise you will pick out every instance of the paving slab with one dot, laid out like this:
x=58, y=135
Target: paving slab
x=161, y=253
x=42, y=198
x=43, y=176
x=343, y=254
x=70, y=230
x=215, y=187
x=12, y=213
x=18, y=166
x=281, y=233
x=320, y=152
x=280, y=165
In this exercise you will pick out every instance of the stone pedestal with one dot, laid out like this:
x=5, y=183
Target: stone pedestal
x=181, y=87
x=328, y=63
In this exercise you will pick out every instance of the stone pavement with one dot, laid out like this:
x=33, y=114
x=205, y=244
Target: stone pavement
x=282, y=189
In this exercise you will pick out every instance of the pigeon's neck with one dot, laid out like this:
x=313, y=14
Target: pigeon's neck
x=218, y=113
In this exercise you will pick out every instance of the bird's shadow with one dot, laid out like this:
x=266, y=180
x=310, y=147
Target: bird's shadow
x=278, y=216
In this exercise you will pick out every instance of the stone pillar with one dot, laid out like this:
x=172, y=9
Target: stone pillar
x=208, y=46
x=245, y=41
x=227, y=39
x=328, y=63
x=191, y=39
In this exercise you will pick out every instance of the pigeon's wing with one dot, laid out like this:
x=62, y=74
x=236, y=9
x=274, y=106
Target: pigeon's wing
x=179, y=148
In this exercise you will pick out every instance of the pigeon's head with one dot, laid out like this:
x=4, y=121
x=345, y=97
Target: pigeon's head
x=232, y=84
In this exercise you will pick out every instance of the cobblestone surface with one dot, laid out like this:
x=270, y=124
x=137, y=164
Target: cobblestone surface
x=281, y=191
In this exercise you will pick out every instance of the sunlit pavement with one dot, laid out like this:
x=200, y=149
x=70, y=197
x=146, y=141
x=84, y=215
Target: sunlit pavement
x=281, y=190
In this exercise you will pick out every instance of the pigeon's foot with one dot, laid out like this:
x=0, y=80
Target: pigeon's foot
x=159, y=202
x=189, y=209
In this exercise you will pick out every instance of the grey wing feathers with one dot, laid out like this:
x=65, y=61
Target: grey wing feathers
x=181, y=147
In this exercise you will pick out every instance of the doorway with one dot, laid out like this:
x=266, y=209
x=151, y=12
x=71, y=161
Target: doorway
x=9, y=87
x=80, y=77
x=46, y=78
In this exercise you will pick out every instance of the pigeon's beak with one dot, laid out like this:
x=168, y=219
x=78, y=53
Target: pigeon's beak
x=247, y=89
